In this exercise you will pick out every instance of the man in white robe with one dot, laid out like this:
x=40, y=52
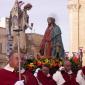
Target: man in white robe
x=81, y=76
x=58, y=78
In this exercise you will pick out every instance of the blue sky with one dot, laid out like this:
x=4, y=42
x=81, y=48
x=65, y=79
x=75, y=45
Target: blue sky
x=39, y=13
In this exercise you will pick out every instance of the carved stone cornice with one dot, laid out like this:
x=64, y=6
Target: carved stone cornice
x=74, y=6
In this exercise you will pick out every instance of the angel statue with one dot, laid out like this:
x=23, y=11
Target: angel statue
x=19, y=19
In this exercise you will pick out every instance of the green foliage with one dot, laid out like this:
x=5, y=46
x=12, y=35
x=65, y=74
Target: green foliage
x=75, y=64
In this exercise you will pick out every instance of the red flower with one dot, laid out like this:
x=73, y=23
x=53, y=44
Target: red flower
x=75, y=59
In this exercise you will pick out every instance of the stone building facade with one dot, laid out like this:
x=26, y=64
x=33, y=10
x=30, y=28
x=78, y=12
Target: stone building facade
x=76, y=10
x=3, y=46
x=33, y=41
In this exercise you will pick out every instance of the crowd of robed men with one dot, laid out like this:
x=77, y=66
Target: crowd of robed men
x=9, y=75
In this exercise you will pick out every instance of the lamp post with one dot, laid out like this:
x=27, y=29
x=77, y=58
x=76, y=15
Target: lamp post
x=81, y=54
x=73, y=54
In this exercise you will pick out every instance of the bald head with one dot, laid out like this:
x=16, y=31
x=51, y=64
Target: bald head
x=14, y=59
x=45, y=69
x=67, y=62
x=67, y=65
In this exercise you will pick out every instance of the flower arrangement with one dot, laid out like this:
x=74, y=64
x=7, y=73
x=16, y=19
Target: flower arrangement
x=32, y=64
x=35, y=63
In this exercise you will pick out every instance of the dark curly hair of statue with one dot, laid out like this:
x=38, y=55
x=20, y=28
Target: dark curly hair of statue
x=52, y=19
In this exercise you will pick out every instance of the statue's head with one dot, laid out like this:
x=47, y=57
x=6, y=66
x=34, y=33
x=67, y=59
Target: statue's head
x=51, y=20
x=28, y=6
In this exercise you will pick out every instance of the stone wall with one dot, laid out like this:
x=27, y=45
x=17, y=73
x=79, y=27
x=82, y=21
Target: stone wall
x=3, y=47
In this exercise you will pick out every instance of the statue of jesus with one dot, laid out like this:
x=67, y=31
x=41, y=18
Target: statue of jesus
x=51, y=44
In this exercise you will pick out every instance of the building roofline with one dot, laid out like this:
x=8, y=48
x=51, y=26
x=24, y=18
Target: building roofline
x=35, y=34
